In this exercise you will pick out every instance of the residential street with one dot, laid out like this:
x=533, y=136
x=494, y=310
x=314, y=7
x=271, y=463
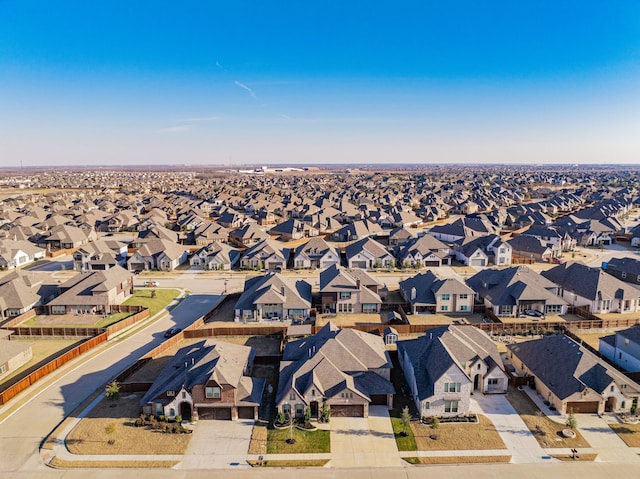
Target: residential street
x=21, y=433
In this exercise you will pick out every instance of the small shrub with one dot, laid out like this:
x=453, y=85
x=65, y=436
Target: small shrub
x=280, y=418
x=152, y=418
x=178, y=419
x=138, y=423
x=161, y=418
x=112, y=391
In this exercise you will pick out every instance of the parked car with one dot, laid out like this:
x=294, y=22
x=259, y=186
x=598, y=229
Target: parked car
x=172, y=332
x=557, y=260
x=153, y=284
x=534, y=312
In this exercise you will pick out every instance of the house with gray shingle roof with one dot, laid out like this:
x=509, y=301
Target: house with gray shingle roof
x=572, y=378
x=207, y=380
x=623, y=348
x=13, y=354
x=272, y=297
x=582, y=285
x=315, y=253
x=625, y=269
x=367, y=253
x=216, y=256
x=348, y=291
x=92, y=292
x=446, y=365
x=427, y=293
x=425, y=251
x=345, y=369
x=512, y=291
x=267, y=254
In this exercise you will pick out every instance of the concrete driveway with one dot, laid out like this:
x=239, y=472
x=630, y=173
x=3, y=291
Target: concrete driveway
x=523, y=446
x=603, y=439
x=360, y=442
x=218, y=444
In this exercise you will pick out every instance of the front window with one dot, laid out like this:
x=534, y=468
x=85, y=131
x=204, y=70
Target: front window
x=451, y=406
x=212, y=392
x=464, y=307
x=445, y=308
x=345, y=295
x=452, y=387
x=554, y=308
x=369, y=308
x=493, y=381
x=427, y=405
x=463, y=296
x=446, y=297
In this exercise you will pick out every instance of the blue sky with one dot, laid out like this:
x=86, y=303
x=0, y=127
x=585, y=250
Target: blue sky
x=274, y=82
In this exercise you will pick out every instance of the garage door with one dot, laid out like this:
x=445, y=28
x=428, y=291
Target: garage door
x=359, y=264
x=245, y=412
x=219, y=413
x=583, y=407
x=477, y=262
x=379, y=399
x=351, y=410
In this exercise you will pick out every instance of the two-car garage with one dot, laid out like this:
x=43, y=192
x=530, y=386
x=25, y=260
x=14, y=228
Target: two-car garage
x=580, y=407
x=347, y=410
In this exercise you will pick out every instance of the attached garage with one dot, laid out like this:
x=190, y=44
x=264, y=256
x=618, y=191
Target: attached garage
x=432, y=263
x=359, y=264
x=478, y=262
x=378, y=399
x=590, y=407
x=347, y=410
x=217, y=413
x=246, y=412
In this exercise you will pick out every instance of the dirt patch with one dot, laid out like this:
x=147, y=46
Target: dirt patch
x=457, y=459
x=90, y=436
x=629, y=433
x=548, y=433
x=458, y=436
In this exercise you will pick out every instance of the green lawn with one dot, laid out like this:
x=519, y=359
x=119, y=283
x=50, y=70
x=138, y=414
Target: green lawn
x=305, y=441
x=405, y=443
x=143, y=297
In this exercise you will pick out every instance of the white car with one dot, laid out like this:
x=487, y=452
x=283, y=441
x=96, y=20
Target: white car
x=154, y=284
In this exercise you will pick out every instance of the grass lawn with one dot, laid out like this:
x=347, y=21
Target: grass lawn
x=307, y=463
x=547, y=432
x=305, y=441
x=143, y=297
x=404, y=443
x=57, y=462
x=90, y=436
x=629, y=433
x=457, y=459
x=593, y=339
x=43, y=350
x=458, y=436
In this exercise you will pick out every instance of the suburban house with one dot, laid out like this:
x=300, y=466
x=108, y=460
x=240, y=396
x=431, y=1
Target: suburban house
x=267, y=254
x=158, y=254
x=357, y=230
x=315, y=253
x=19, y=293
x=66, y=237
x=572, y=378
x=531, y=248
x=589, y=287
x=216, y=256
x=13, y=354
x=343, y=369
x=425, y=251
x=516, y=291
x=247, y=235
x=273, y=297
x=348, y=291
x=625, y=269
x=206, y=380
x=401, y=236
x=15, y=253
x=483, y=251
x=92, y=292
x=367, y=253
x=446, y=365
x=467, y=227
x=293, y=229
x=209, y=232
x=100, y=255
x=554, y=238
x=623, y=348
x=429, y=294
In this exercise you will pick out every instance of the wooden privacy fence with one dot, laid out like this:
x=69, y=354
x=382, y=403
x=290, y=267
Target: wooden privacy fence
x=10, y=323
x=35, y=331
x=24, y=383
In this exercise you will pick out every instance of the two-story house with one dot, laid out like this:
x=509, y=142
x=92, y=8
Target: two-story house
x=348, y=291
x=623, y=348
x=206, y=380
x=427, y=293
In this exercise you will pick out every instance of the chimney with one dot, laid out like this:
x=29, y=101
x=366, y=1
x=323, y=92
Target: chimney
x=358, y=283
x=413, y=293
x=282, y=290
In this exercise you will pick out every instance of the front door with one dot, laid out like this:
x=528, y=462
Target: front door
x=185, y=411
x=314, y=409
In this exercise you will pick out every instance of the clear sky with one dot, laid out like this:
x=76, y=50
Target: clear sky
x=319, y=81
